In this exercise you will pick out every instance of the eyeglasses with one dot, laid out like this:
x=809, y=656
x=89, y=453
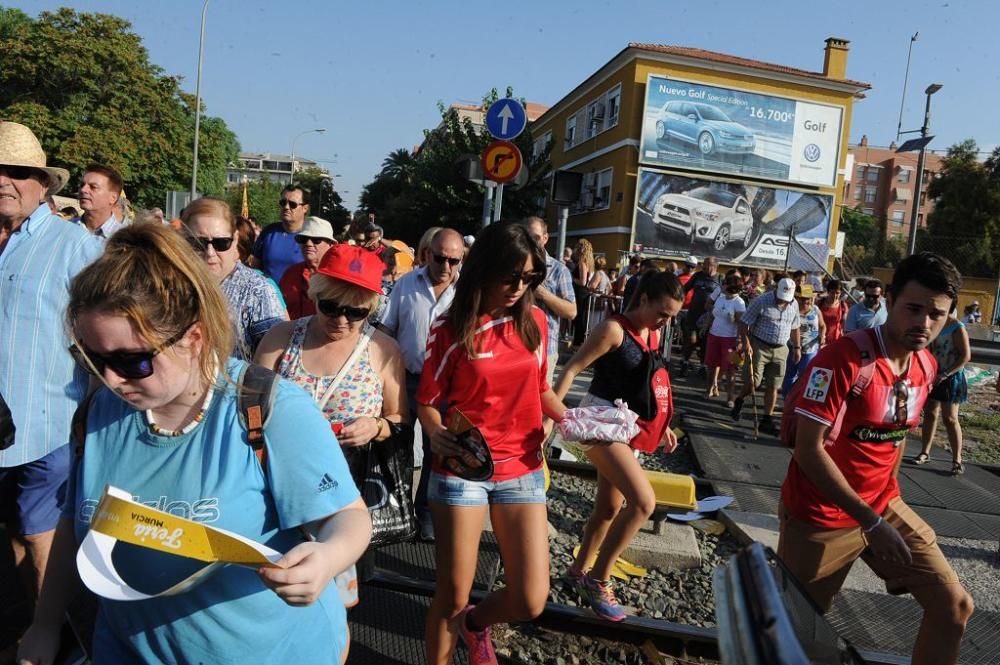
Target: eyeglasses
x=292, y=205
x=333, y=309
x=902, y=394
x=218, y=244
x=302, y=240
x=440, y=260
x=126, y=364
x=21, y=172
x=532, y=279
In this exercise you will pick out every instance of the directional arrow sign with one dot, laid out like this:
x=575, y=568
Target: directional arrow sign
x=501, y=161
x=506, y=119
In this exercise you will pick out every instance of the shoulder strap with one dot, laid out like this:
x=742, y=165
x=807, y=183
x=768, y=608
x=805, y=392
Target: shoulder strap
x=863, y=340
x=632, y=332
x=348, y=365
x=78, y=426
x=256, y=391
x=924, y=358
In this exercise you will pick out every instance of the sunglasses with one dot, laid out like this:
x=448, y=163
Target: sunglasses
x=441, y=259
x=334, y=309
x=218, y=244
x=126, y=364
x=21, y=172
x=532, y=279
x=302, y=240
x=902, y=394
x=292, y=205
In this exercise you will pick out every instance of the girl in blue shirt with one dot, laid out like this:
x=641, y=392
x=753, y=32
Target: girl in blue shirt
x=151, y=323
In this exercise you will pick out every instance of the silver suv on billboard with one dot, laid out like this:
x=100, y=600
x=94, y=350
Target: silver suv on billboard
x=706, y=214
x=704, y=126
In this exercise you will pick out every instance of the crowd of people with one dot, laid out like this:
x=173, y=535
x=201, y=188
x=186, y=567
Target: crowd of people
x=367, y=338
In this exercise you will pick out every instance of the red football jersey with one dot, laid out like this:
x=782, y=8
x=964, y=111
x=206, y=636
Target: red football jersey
x=499, y=389
x=869, y=441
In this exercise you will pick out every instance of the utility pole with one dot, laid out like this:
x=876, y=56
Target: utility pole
x=906, y=78
x=912, y=244
x=197, y=103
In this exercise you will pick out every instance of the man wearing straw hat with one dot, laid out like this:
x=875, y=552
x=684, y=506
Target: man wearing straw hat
x=39, y=255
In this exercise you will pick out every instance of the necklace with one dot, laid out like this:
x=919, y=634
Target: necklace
x=198, y=417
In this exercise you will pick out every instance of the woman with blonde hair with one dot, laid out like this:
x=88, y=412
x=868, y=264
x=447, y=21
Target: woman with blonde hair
x=583, y=270
x=255, y=303
x=148, y=319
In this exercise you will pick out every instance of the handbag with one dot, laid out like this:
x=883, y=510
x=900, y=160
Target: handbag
x=652, y=399
x=387, y=487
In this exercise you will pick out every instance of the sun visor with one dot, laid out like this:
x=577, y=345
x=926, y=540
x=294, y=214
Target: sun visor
x=134, y=552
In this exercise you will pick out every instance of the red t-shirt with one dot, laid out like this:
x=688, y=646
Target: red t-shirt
x=499, y=390
x=294, y=287
x=684, y=278
x=869, y=443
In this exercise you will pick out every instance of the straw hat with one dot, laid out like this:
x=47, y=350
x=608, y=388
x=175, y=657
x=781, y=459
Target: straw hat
x=19, y=147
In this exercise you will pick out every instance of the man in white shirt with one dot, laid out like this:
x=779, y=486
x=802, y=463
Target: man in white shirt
x=100, y=192
x=419, y=298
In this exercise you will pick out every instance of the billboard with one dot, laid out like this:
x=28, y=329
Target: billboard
x=741, y=223
x=733, y=132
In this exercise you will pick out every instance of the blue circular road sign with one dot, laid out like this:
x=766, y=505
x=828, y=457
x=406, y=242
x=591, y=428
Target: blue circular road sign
x=506, y=119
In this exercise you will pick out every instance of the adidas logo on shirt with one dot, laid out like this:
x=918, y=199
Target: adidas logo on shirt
x=327, y=483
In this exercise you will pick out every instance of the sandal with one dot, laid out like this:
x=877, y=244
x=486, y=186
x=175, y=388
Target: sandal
x=922, y=458
x=957, y=469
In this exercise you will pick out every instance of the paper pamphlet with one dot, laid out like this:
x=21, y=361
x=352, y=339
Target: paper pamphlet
x=119, y=518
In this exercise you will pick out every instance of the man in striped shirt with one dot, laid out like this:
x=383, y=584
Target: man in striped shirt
x=39, y=256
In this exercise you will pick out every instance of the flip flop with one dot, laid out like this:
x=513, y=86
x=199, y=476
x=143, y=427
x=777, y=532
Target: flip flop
x=922, y=458
x=957, y=469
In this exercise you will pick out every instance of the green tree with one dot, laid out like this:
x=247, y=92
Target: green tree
x=84, y=84
x=429, y=189
x=262, y=199
x=324, y=200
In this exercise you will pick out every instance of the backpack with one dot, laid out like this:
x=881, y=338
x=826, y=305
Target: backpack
x=869, y=354
x=256, y=388
x=652, y=400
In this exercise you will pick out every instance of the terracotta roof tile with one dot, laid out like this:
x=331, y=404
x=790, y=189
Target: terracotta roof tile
x=713, y=56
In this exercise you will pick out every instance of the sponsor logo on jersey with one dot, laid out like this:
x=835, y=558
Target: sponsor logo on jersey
x=866, y=434
x=818, y=384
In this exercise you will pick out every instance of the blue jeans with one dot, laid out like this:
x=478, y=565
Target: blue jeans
x=794, y=371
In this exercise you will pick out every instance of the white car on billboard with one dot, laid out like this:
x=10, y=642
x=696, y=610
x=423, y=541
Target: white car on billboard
x=706, y=214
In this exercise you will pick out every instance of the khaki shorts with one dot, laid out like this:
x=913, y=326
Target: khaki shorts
x=768, y=364
x=821, y=558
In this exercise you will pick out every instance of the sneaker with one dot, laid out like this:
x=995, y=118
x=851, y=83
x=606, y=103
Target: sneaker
x=427, y=530
x=685, y=366
x=480, y=645
x=737, y=408
x=601, y=599
x=767, y=426
x=572, y=579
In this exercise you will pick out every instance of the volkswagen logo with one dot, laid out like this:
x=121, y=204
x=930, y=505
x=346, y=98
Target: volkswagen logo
x=811, y=152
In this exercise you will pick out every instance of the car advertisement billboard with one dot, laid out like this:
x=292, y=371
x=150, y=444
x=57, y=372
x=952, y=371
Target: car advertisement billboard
x=734, y=132
x=743, y=223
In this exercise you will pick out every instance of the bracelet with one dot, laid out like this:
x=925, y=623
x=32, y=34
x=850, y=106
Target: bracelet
x=878, y=523
x=378, y=423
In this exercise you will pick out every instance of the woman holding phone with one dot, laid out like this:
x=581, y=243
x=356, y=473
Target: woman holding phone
x=486, y=360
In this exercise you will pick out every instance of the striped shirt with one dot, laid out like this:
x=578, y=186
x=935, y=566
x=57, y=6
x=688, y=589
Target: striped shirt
x=38, y=377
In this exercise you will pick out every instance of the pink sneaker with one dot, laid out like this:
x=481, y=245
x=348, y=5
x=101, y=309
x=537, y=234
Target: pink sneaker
x=480, y=645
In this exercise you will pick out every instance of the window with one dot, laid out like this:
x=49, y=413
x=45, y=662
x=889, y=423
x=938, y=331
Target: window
x=595, y=118
x=595, y=192
x=920, y=220
x=858, y=193
x=870, y=195
x=541, y=144
x=613, y=106
x=868, y=211
x=233, y=177
x=923, y=199
x=897, y=216
x=871, y=175
x=602, y=199
x=859, y=174
x=571, y=132
x=904, y=175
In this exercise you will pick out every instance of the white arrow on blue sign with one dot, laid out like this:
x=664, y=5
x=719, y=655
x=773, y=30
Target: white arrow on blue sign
x=506, y=119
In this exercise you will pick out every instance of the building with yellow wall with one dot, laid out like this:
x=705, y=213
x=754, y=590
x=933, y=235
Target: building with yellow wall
x=597, y=129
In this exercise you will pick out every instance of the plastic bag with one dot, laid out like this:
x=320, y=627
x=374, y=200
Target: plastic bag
x=600, y=423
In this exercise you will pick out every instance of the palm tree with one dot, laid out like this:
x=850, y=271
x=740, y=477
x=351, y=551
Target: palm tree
x=398, y=166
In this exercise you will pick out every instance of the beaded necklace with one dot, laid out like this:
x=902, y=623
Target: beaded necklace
x=198, y=417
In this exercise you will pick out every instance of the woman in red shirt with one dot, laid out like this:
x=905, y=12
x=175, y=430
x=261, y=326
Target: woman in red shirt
x=486, y=359
x=834, y=310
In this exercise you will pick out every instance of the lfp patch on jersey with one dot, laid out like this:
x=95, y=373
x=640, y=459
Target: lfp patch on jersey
x=818, y=384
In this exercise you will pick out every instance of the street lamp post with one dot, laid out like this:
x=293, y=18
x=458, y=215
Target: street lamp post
x=197, y=103
x=912, y=245
x=321, y=130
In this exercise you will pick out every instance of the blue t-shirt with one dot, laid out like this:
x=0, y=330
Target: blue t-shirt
x=276, y=250
x=211, y=475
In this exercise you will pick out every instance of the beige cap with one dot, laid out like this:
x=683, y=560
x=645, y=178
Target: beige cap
x=317, y=227
x=20, y=147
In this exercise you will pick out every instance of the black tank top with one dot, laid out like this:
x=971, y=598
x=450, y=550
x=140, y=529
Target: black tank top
x=615, y=372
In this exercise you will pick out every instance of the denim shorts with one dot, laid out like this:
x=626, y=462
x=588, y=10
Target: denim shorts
x=32, y=495
x=455, y=491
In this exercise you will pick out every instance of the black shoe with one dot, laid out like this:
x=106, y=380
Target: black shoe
x=685, y=366
x=767, y=426
x=737, y=408
x=703, y=372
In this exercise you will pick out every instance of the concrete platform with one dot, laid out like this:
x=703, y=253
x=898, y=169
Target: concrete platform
x=664, y=545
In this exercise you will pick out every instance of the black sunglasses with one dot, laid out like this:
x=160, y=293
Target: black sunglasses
x=291, y=204
x=902, y=394
x=305, y=239
x=441, y=259
x=333, y=309
x=22, y=172
x=126, y=364
x=532, y=279
x=218, y=244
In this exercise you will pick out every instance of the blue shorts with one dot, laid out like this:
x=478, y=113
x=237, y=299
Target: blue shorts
x=455, y=491
x=32, y=495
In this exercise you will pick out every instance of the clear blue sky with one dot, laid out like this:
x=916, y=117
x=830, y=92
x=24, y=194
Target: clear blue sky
x=372, y=72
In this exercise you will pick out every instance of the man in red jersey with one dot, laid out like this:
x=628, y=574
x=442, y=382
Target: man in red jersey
x=840, y=500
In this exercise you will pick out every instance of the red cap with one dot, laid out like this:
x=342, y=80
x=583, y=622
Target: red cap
x=350, y=263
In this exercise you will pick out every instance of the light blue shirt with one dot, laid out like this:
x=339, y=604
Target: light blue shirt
x=211, y=475
x=559, y=281
x=38, y=377
x=859, y=317
x=105, y=230
x=411, y=310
